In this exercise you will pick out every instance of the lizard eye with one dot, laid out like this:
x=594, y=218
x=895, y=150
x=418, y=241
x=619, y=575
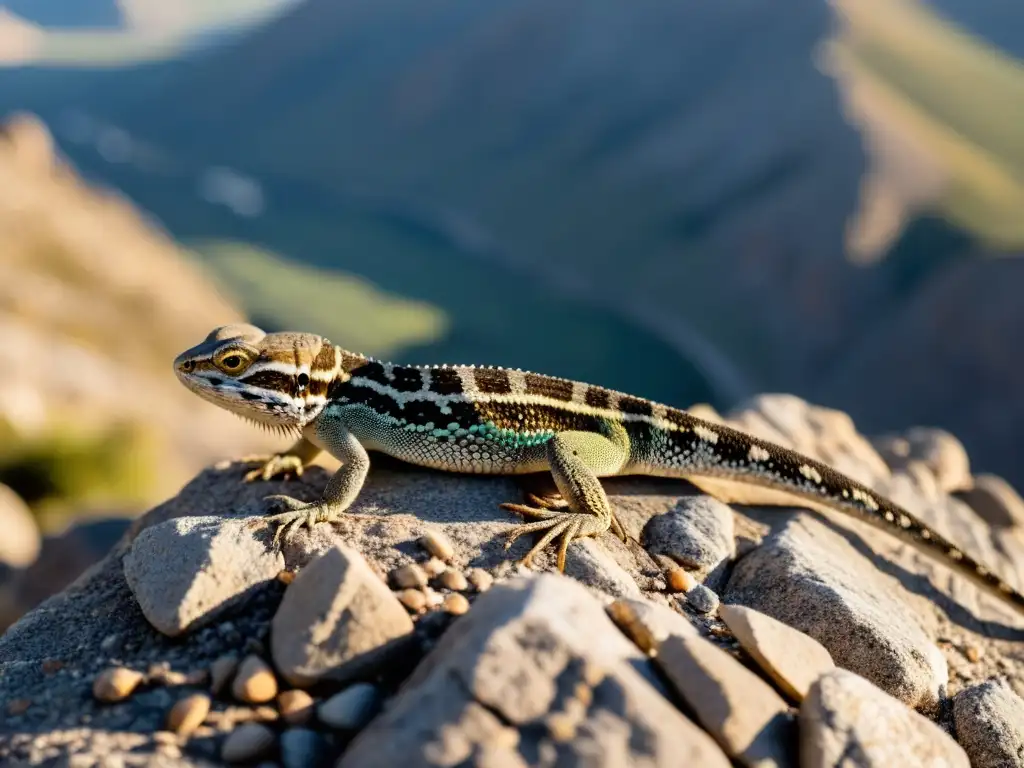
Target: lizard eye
x=303, y=380
x=188, y=366
x=233, y=362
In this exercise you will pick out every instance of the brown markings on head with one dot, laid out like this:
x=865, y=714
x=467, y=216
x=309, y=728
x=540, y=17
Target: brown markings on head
x=547, y=386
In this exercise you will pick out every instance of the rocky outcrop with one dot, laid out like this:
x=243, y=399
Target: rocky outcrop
x=407, y=635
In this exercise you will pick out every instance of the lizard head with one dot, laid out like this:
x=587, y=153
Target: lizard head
x=278, y=380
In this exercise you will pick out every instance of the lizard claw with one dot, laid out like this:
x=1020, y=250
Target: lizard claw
x=283, y=465
x=296, y=514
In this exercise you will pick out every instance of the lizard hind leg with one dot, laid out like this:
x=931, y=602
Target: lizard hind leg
x=576, y=459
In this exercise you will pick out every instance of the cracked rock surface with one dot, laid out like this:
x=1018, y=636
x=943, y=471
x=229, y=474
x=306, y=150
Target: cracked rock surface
x=407, y=634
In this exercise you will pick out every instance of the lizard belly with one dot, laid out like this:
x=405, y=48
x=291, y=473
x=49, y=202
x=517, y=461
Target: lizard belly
x=450, y=447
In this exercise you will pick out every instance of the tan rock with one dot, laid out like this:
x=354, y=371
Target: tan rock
x=745, y=716
x=792, y=659
x=255, y=682
x=188, y=714
x=116, y=684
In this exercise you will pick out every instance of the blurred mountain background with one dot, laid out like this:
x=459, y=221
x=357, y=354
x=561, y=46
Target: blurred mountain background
x=694, y=202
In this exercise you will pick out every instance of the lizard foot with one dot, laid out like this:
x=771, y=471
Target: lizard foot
x=566, y=524
x=297, y=514
x=279, y=465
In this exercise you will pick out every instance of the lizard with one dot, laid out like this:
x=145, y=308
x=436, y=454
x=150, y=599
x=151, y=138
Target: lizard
x=503, y=421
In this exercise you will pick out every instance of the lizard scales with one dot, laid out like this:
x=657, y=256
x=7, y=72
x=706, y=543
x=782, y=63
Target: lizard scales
x=493, y=420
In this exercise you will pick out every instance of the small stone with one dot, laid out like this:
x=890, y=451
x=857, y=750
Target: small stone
x=221, y=673
x=295, y=705
x=743, y=713
x=973, y=653
x=187, y=571
x=437, y=544
x=698, y=533
x=286, y=577
x=702, y=599
x=456, y=604
x=352, y=708
x=409, y=576
x=434, y=567
x=791, y=658
x=844, y=715
x=265, y=714
x=115, y=684
x=679, y=580
x=52, y=666
x=302, y=748
x=413, y=599
x=255, y=682
x=188, y=714
x=647, y=623
x=248, y=742
x=480, y=579
x=17, y=707
x=337, y=621
x=453, y=580
x=995, y=501
x=990, y=725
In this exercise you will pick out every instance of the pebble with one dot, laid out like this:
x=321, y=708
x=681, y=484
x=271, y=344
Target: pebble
x=791, y=658
x=456, y=604
x=434, y=567
x=248, y=742
x=255, y=682
x=409, y=576
x=453, y=580
x=302, y=748
x=413, y=599
x=188, y=714
x=352, y=708
x=480, y=579
x=437, y=544
x=221, y=672
x=295, y=705
x=990, y=724
x=702, y=599
x=680, y=580
x=116, y=684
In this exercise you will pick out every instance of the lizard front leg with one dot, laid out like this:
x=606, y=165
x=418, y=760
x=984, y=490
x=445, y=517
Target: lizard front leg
x=576, y=460
x=291, y=462
x=341, y=490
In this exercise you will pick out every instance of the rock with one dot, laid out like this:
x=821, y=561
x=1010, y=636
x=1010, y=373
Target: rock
x=21, y=542
x=647, y=623
x=746, y=717
x=222, y=671
x=413, y=599
x=456, y=604
x=536, y=668
x=352, y=708
x=791, y=658
x=296, y=706
x=409, y=576
x=303, y=748
x=248, y=742
x=990, y=725
x=810, y=578
x=188, y=571
x=589, y=562
x=936, y=449
x=116, y=683
x=697, y=533
x=438, y=545
x=255, y=682
x=995, y=501
x=188, y=714
x=702, y=599
x=337, y=620
x=454, y=580
x=845, y=720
